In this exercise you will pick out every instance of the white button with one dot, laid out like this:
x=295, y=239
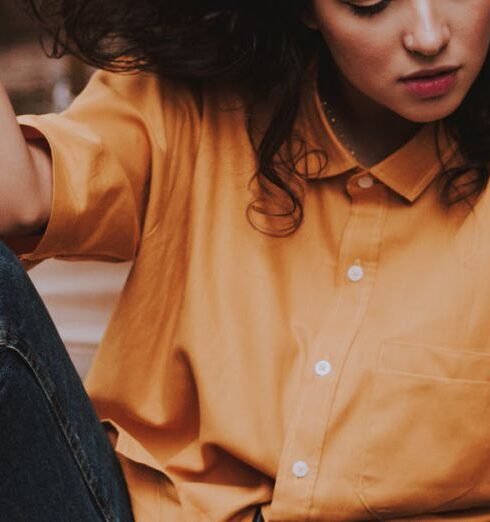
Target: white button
x=300, y=469
x=323, y=368
x=365, y=182
x=355, y=273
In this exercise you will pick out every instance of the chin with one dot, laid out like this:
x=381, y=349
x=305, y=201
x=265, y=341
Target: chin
x=430, y=110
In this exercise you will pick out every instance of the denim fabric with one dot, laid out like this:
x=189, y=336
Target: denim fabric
x=56, y=462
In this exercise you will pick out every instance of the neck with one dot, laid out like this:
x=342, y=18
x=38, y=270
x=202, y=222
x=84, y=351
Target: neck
x=371, y=130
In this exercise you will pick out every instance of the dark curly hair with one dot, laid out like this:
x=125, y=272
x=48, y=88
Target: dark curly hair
x=237, y=42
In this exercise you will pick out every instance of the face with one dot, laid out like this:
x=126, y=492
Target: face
x=376, y=44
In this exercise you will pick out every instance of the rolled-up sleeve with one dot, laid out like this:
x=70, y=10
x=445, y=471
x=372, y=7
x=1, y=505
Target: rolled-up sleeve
x=101, y=156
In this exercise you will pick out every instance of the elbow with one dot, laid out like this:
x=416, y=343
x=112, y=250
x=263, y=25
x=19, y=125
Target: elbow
x=33, y=223
x=25, y=221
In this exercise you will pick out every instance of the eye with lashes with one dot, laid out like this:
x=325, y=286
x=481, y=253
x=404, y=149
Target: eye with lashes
x=368, y=10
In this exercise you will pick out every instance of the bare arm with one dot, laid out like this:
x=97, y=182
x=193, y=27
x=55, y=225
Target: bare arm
x=25, y=177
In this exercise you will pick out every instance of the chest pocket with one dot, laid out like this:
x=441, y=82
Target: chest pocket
x=427, y=439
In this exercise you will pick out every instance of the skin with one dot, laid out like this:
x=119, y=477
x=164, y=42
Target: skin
x=372, y=53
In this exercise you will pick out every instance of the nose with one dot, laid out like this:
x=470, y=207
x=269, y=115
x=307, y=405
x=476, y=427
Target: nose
x=427, y=32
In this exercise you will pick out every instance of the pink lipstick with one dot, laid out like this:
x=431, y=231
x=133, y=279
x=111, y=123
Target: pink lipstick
x=431, y=83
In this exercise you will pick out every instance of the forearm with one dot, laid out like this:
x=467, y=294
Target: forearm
x=25, y=177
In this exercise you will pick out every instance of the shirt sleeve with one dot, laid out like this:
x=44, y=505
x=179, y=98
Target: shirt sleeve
x=101, y=154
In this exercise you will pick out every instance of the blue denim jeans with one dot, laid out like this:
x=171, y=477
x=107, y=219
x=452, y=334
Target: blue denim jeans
x=56, y=461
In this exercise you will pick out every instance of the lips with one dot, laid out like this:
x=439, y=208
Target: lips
x=431, y=83
x=425, y=74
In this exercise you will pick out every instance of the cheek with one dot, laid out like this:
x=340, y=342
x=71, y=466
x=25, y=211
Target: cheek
x=358, y=48
x=471, y=39
x=365, y=59
x=476, y=33
x=359, y=54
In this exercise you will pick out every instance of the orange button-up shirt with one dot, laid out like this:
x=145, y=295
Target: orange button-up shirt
x=339, y=374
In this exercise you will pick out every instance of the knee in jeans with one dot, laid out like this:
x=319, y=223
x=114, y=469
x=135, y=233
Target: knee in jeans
x=18, y=297
x=10, y=267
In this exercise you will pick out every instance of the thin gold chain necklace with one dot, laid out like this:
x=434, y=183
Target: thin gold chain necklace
x=333, y=120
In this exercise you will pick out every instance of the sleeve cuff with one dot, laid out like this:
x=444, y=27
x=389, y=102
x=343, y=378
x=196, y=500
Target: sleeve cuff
x=33, y=249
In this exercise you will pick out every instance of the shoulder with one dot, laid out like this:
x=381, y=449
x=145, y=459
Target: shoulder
x=168, y=110
x=144, y=91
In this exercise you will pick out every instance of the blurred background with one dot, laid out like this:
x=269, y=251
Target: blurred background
x=80, y=296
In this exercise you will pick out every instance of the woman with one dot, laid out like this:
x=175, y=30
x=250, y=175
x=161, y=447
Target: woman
x=304, y=333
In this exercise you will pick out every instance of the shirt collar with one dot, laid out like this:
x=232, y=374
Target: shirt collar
x=408, y=171
x=413, y=167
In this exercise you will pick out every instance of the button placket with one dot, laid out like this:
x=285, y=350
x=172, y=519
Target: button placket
x=305, y=439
